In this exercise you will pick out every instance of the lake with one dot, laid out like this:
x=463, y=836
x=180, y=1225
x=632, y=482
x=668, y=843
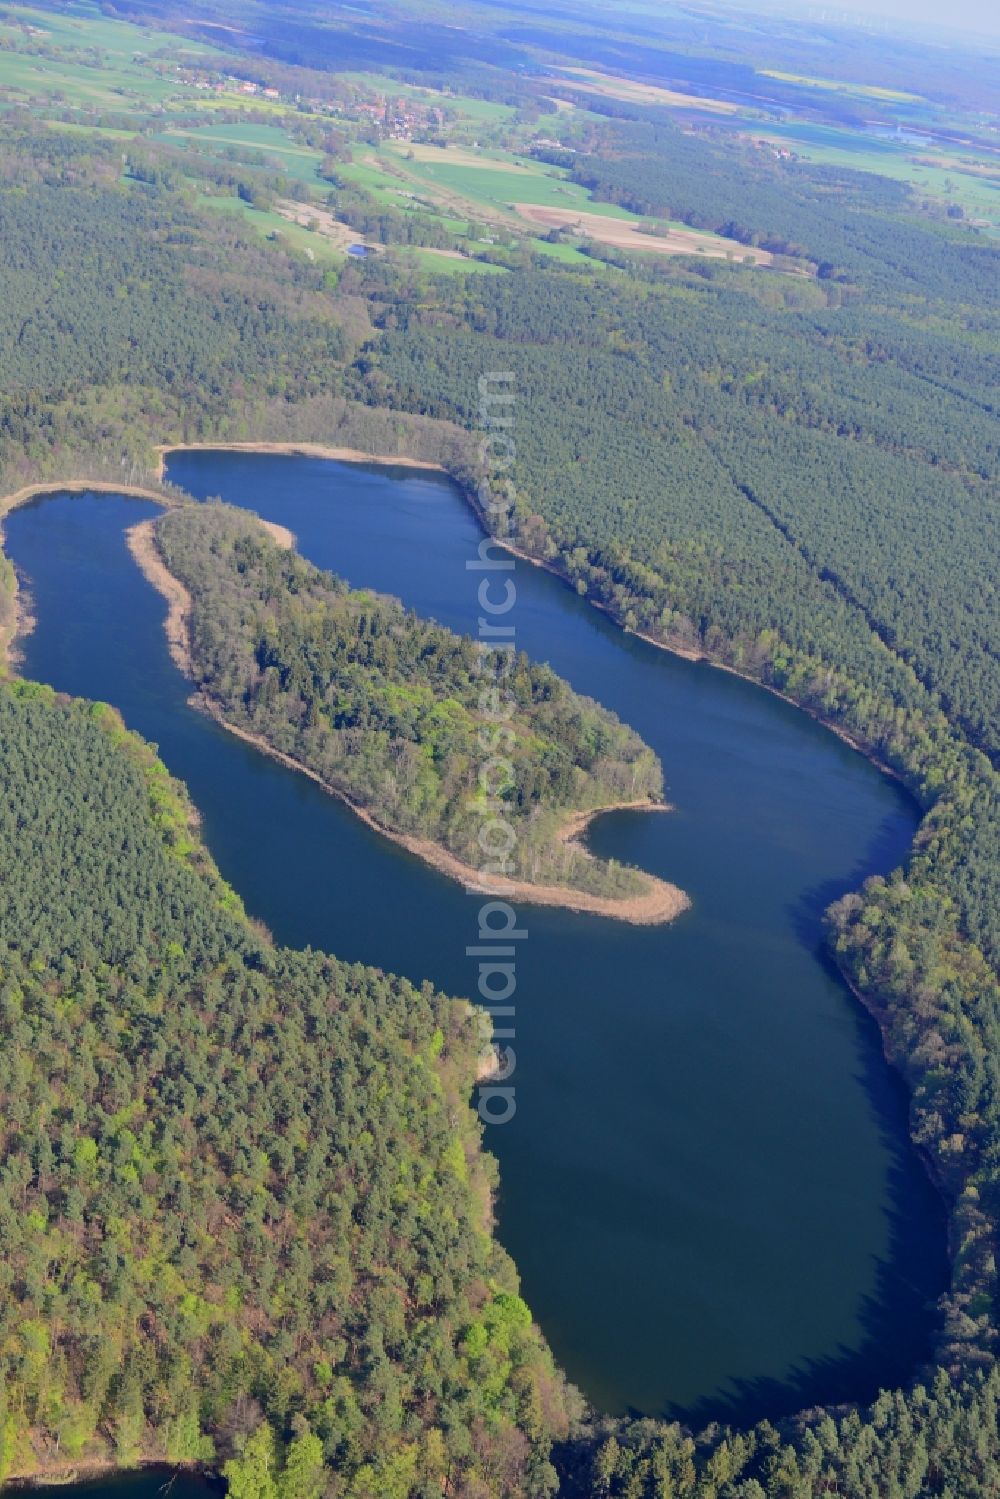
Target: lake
x=708, y=1185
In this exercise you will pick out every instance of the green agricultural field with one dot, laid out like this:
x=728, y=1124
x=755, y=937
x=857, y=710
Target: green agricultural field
x=462, y=188
x=297, y=161
x=450, y=265
x=210, y=104
x=492, y=180
x=567, y=253
x=101, y=132
x=80, y=25
x=78, y=85
x=267, y=222
x=838, y=86
x=100, y=64
x=385, y=186
x=978, y=195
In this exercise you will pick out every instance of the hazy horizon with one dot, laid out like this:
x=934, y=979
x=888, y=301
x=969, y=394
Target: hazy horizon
x=966, y=17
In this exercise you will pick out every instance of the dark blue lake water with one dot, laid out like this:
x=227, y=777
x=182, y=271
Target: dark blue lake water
x=707, y=1186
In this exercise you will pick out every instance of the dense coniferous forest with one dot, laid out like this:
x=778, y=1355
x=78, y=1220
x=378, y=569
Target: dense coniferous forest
x=795, y=437
x=854, y=227
x=240, y=1191
x=128, y=318
x=396, y=712
x=244, y=1217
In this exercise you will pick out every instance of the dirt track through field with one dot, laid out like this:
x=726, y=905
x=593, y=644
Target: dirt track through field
x=624, y=234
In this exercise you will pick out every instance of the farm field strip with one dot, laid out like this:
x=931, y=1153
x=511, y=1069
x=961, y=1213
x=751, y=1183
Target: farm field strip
x=623, y=234
x=633, y=92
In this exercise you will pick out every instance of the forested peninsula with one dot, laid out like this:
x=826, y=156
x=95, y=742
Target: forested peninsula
x=400, y=716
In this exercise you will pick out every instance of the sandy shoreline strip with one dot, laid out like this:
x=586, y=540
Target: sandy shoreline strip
x=29, y=492
x=141, y=543
x=284, y=538
x=147, y=558
x=660, y=902
x=295, y=450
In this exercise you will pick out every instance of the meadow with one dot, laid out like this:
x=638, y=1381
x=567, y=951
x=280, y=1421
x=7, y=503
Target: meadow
x=926, y=169
x=294, y=160
x=92, y=62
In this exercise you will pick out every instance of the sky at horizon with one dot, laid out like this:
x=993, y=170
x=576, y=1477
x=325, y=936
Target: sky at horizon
x=963, y=17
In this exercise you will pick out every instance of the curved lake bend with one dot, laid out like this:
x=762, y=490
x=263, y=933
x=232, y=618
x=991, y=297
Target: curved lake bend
x=707, y=1186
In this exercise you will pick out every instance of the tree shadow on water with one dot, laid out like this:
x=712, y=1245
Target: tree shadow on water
x=899, y=1319
x=900, y=1316
x=887, y=848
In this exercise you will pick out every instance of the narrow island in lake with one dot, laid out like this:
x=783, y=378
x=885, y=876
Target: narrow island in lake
x=392, y=712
